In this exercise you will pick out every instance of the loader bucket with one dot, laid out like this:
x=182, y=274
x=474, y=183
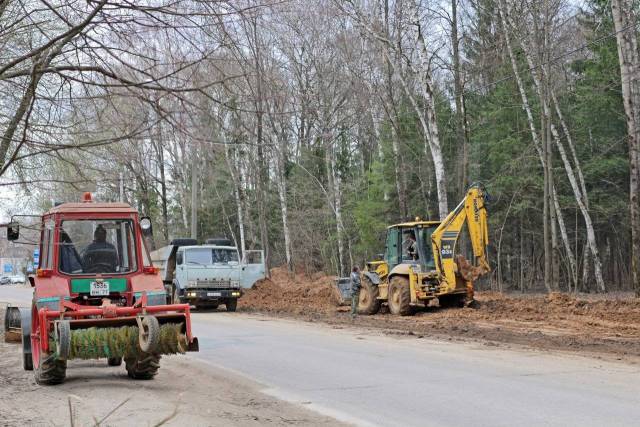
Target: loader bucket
x=12, y=324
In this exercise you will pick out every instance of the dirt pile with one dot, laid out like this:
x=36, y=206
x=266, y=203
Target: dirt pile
x=294, y=294
x=607, y=324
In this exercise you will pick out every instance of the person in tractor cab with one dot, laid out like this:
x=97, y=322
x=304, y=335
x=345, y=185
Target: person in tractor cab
x=100, y=256
x=69, y=258
x=409, y=250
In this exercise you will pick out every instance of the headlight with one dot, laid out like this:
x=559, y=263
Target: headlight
x=191, y=294
x=235, y=294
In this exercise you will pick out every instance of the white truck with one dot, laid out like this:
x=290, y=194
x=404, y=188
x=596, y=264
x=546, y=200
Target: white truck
x=207, y=275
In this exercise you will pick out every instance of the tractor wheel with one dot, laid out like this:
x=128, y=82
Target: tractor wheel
x=48, y=370
x=231, y=304
x=149, y=334
x=27, y=362
x=368, y=302
x=400, y=296
x=64, y=340
x=144, y=367
x=114, y=361
x=51, y=370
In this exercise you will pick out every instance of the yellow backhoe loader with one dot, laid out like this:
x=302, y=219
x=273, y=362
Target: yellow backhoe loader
x=420, y=261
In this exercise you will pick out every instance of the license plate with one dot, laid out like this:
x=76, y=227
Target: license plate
x=99, y=289
x=213, y=294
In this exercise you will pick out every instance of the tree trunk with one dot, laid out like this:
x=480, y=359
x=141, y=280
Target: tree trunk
x=624, y=21
x=579, y=193
x=282, y=193
x=532, y=127
x=461, y=119
x=431, y=128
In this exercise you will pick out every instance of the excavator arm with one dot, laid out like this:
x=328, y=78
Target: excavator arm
x=471, y=211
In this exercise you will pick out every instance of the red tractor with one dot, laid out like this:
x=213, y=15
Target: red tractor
x=96, y=294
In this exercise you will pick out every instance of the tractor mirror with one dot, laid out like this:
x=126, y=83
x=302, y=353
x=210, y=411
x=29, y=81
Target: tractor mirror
x=145, y=225
x=13, y=231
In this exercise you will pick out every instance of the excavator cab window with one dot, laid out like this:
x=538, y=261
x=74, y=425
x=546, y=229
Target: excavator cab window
x=392, y=251
x=425, y=245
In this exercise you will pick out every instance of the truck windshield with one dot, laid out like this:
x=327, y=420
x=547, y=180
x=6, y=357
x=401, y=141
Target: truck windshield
x=209, y=256
x=97, y=246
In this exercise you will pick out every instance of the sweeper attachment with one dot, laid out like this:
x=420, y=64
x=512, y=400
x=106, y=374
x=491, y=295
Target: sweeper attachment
x=97, y=296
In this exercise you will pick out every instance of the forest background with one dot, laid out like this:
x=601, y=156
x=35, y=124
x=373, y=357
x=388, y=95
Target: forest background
x=306, y=127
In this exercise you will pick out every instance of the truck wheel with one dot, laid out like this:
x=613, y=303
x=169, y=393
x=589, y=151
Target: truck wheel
x=114, y=361
x=51, y=370
x=369, y=302
x=143, y=367
x=231, y=304
x=176, y=296
x=400, y=296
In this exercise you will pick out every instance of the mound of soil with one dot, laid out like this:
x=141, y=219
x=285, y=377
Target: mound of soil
x=294, y=294
x=605, y=324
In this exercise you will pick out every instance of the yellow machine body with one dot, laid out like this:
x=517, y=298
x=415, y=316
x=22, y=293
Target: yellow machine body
x=435, y=270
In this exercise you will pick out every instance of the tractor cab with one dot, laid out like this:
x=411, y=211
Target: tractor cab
x=98, y=250
x=410, y=243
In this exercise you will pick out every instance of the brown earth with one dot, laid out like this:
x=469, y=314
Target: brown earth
x=186, y=392
x=605, y=325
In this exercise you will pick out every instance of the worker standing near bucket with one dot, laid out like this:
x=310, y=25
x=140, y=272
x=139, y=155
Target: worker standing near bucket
x=355, y=290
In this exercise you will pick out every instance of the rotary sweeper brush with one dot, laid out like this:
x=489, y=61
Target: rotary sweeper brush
x=96, y=295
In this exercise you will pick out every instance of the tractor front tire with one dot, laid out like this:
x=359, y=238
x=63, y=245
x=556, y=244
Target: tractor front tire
x=368, y=302
x=231, y=304
x=114, y=361
x=51, y=370
x=149, y=334
x=400, y=296
x=144, y=367
x=27, y=362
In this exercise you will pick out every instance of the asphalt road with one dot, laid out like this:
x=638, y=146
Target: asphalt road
x=368, y=379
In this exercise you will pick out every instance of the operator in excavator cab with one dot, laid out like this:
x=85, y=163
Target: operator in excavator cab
x=409, y=250
x=100, y=256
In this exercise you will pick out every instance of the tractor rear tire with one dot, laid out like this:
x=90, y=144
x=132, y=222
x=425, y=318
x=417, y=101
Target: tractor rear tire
x=400, y=296
x=231, y=304
x=51, y=370
x=144, y=367
x=368, y=302
x=114, y=361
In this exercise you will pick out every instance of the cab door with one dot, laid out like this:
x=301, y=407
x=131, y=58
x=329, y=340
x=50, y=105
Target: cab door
x=181, y=272
x=392, y=249
x=253, y=268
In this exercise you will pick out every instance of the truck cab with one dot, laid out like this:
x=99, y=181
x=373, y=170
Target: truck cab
x=207, y=275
